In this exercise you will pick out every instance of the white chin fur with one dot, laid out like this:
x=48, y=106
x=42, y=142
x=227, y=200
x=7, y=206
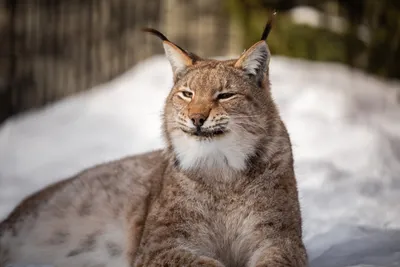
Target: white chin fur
x=228, y=151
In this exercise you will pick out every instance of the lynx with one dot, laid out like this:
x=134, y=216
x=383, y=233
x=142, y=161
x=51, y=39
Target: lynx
x=221, y=194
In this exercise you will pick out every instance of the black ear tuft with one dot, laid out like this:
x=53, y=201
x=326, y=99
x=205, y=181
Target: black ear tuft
x=156, y=33
x=162, y=37
x=268, y=26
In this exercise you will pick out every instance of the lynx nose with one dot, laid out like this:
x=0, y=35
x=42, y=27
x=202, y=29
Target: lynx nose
x=198, y=119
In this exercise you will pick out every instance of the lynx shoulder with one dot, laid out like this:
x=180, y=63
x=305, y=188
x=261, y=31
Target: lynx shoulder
x=222, y=193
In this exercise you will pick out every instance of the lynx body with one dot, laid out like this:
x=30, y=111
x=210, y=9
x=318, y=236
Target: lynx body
x=221, y=194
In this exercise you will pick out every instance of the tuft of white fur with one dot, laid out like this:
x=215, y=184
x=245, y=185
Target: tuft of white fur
x=256, y=59
x=228, y=151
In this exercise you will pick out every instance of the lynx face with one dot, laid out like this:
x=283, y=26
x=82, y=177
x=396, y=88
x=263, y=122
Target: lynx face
x=214, y=116
x=216, y=113
x=207, y=100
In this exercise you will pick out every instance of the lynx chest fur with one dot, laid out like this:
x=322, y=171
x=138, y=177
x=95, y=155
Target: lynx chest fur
x=221, y=194
x=229, y=221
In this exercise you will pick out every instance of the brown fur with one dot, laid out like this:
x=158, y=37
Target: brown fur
x=178, y=212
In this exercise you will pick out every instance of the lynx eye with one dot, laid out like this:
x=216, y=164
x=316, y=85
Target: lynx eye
x=187, y=94
x=225, y=95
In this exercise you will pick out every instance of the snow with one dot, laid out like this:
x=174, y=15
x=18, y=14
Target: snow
x=344, y=125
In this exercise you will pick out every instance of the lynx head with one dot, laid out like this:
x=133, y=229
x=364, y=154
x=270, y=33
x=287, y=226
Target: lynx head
x=217, y=113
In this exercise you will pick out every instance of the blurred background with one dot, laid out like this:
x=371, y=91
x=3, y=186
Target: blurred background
x=50, y=49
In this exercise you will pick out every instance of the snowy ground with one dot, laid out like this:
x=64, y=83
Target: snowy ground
x=345, y=128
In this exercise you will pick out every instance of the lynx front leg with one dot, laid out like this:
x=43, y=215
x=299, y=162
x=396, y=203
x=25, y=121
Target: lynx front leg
x=280, y=253
x=172, y=258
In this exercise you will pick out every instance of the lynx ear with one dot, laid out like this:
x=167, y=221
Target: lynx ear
x=179, y=58
x=255, y=60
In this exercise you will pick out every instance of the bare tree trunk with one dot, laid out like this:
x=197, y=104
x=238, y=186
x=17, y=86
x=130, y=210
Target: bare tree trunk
x=7, y=8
